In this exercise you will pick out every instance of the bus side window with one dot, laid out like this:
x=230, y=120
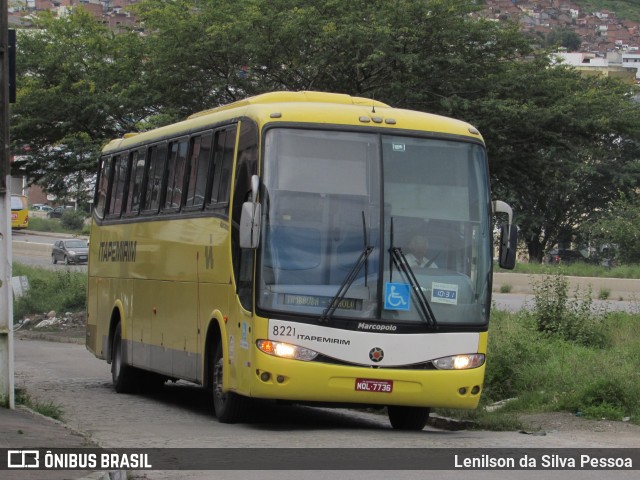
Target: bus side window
x=120, y=165
x=157, y=157
x=135, y=182
x=175, y=174
x=224, y=146
x=104, y=174
x=198, y=167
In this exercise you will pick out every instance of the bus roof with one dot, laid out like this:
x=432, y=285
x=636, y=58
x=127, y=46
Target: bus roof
x=305, y=107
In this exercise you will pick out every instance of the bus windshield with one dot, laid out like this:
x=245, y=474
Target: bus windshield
x=337, y=205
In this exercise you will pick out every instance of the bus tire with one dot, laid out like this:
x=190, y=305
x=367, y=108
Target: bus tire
x=408, y=418
x=229, y=407
x=124, y=377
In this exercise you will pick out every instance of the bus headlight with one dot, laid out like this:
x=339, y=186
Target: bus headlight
x=286, y=350
x=460, y=362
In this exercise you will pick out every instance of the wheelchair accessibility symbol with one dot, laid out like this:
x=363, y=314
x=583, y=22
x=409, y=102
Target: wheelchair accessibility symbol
x=397, y=296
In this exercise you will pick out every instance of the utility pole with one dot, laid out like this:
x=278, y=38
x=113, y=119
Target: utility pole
x=7, y=396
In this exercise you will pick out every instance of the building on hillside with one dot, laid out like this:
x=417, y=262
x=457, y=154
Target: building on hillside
x=613, y=65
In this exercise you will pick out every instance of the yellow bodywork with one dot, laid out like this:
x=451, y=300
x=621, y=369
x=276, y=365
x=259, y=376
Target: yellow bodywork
x=170, y=281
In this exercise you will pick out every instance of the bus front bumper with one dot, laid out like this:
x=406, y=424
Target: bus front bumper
x=293, y=380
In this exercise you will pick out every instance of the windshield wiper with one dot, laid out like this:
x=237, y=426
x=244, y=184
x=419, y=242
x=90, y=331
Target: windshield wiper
x=400, y=261
x=363, y=259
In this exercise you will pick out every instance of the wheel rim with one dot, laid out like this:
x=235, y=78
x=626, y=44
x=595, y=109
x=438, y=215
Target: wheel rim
x=116, y=360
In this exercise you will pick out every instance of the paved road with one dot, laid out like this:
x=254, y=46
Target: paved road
x=180, y=416
x=34, y=250
x=514, y=302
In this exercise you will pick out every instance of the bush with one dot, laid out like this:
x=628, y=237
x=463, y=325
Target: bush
x=54, y=225
x=62, y=291
x=72, y=220
x=546, y=372
x=575, y=320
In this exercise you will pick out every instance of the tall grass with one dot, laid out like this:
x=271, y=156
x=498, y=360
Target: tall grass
x=561, y=355
x=544, y=371
x=577, y=269
x=55, y=225
x=60, y=290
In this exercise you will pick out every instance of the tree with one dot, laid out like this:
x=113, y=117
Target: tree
x=561, y=147
x=564, y=37
x=619, y=226
x=78, y=87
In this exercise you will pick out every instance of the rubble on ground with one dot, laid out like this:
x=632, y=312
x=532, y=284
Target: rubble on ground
x=52, y=320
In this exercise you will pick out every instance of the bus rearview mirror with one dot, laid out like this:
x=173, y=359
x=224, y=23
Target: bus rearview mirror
x=508, y=246
x=250, y=225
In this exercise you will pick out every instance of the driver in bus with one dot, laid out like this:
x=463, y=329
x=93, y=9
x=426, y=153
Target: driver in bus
x=417, y=256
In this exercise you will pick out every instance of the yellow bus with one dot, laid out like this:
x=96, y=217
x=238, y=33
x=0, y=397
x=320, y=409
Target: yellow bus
x=261, y=249
x=19, y=212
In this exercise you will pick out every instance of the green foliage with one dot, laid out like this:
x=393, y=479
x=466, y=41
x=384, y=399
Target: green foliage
x=73, y=220
x=578, y=269
x=546, y=372
x=48, y=409
x=625, y=9
x=574, y=320
x=564, y=37
x=55, y=225
x=619, y=226
x=80, y=84
x=604, y=293
x=60, y=290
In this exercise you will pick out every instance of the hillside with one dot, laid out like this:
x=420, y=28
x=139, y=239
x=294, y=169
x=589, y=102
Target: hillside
x=595, y=26
x=624, y=9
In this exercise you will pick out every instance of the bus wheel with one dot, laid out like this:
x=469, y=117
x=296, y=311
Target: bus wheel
x=123, y=376
x=408, y=418
x=229, y=406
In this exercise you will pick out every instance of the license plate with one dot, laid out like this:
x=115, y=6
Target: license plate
x=376, y=386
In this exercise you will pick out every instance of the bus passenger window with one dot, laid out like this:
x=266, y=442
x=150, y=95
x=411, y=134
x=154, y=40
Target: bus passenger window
x=175, y=174
x=117, y=190
x=103, y=186
x=135, y=182
x=198, y=169
x=223, y=150
x=157, y=156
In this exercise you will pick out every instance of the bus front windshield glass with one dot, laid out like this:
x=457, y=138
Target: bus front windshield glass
x=375, y=227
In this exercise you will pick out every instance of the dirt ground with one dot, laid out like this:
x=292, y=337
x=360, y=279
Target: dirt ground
x=564, y=421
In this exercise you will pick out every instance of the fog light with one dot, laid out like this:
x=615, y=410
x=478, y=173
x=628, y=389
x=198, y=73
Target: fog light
x=462, y=391
x=265, y=376
x=475, y=390
x=280, y=379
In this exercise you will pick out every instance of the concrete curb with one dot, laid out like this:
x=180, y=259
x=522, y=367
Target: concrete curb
x=97, y=475
x=617, y=288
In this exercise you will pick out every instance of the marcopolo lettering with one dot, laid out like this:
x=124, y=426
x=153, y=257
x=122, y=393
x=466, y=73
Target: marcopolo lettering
x=377, y=326
x=120, y=251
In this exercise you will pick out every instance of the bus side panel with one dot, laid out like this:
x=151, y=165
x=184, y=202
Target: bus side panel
x=171, y=308
x=93, y=343
x=103, y=298
x=214, y=307
x=240, y=330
